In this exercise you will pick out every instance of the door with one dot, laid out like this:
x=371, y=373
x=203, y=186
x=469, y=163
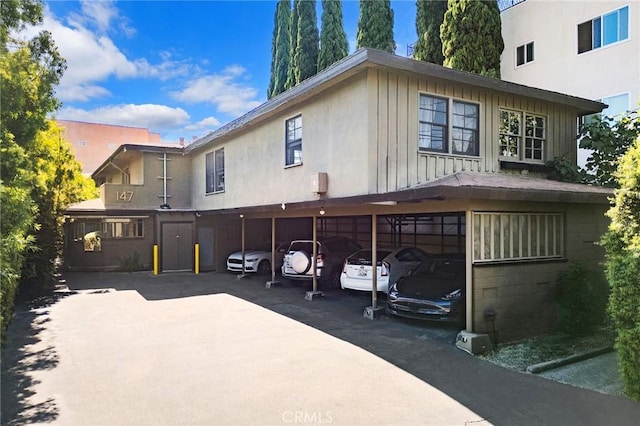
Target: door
x=205, y=240
x=177, y=246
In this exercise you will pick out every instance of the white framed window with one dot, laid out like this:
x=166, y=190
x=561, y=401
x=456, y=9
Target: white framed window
x=214, y=171
x=522, y=136
x=510, y=236
x=448, y=126
x=524, y=54
x=293, y=141
x=82, y=144
x=603, y=30
x=122, y=228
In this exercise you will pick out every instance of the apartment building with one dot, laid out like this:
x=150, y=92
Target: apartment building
x=383, y=150
x=589, y=49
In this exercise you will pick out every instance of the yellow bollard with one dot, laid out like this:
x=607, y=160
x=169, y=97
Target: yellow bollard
x=155, y=259
x=197, y=254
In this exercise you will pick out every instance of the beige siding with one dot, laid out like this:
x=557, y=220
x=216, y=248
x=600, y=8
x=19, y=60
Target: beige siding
x=394, y=138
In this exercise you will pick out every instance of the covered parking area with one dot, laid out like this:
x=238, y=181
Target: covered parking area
x=517, y=233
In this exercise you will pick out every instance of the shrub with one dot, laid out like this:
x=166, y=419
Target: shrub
x=131, y=263
x=622, y=246
x=582, y=300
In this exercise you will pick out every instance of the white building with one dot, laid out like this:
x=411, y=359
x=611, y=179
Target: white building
x=587, y=48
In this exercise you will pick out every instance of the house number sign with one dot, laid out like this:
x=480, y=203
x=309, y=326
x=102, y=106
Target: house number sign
x=125, y=196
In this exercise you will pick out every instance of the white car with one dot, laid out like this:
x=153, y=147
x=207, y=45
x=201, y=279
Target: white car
x=393, y=264
x=257, y=260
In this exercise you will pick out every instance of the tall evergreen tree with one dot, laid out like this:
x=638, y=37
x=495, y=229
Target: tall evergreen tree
x=429, y=18
x=306, y=53
x=333, y=39
x=280, y=57
x=293, y=44
x=375, y=25
x=471, y=36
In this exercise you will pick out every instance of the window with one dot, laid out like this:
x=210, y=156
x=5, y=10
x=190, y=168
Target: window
x=522, y=136
x=293, y=145
x=123, y=228
x=517, y=236
x=436, y=124
x=603, y=30
x=215, y=171
x=524, y=54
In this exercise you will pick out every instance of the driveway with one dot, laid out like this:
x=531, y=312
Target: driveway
x=210, y=349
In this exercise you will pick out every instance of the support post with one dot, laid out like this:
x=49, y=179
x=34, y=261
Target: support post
x=374, y=311
x=155, y=259
x=310, y=295
x=243, y=274
x=197, y=258
x=273, y=282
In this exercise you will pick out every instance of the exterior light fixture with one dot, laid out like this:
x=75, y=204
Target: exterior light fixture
x=283, y=206
x=322, y=212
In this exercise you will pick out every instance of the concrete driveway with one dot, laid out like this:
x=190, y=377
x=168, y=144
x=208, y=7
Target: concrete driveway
x=136, y=349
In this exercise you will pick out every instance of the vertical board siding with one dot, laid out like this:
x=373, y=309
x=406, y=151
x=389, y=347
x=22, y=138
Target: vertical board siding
x=400, y=164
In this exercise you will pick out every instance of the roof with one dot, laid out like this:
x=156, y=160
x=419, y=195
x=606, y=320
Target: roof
x=161, y=147
x=368, y=58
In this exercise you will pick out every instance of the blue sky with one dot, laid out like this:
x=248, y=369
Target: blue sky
x=179, y=68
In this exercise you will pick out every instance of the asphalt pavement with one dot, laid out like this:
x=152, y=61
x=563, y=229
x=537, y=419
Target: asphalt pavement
x=210, y=349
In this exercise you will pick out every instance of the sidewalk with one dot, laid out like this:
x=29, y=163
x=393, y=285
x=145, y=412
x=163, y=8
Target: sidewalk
x=210, y=349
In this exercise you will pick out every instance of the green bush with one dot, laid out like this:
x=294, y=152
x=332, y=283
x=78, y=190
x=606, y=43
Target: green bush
x=582, y=300
x=622, y=246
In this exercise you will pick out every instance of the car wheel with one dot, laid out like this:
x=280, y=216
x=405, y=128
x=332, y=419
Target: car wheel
x=300, y=262
x=264, y=267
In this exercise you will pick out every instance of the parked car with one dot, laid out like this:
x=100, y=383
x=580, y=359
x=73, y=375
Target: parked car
x=392, y=264
x=256, y=260
x=434, y=291
x=331, y=253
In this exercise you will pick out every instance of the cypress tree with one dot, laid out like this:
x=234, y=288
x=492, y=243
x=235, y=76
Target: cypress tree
x=471, y=36
x=429, y=17
x=306, y=53
x=280, y=57
x=333, y=39
x=293, y=43
x=375, y=25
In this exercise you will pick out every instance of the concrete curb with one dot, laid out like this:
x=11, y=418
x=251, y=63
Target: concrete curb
x=555, y=363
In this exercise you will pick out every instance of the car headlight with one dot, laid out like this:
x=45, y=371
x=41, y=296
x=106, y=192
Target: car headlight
x=393, y=292
x=454, y=295
x=251, y=259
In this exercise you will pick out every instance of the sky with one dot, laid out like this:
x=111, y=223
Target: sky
x=178, y=68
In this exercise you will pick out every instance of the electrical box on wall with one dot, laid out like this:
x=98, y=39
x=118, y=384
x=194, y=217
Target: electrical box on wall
x=319, y=183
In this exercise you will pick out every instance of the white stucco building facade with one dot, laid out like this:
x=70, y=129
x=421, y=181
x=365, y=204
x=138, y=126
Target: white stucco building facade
x=584, y=48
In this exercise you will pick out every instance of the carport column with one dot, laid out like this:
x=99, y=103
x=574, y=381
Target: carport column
x=469, y=269
x=273, y=281
x=243, y=274
x=374, y=311
x=310, y=295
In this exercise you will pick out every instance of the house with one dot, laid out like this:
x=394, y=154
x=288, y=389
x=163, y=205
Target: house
x=92, y=143
x=589, y=49
x=384, y=150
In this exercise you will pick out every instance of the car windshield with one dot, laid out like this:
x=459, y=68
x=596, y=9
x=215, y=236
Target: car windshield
x=454, y=268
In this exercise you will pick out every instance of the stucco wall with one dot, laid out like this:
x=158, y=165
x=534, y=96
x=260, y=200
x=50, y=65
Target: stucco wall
x=334, y=141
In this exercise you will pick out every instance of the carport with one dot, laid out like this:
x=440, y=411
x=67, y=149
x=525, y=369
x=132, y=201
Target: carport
x=434, y=225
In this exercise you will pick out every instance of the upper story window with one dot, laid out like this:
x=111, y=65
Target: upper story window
x=293, y=144
x=522, y=136
x=215, y=171
x=524, y=54
x=603, y=30
x=448, y=126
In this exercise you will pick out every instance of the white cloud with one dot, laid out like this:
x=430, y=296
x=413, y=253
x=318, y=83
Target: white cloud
x=206, y=123
x=157, y=118
x=222, y=91
x=93, y=57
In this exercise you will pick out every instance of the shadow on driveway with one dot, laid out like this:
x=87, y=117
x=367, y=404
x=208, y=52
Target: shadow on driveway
x=425, y=350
